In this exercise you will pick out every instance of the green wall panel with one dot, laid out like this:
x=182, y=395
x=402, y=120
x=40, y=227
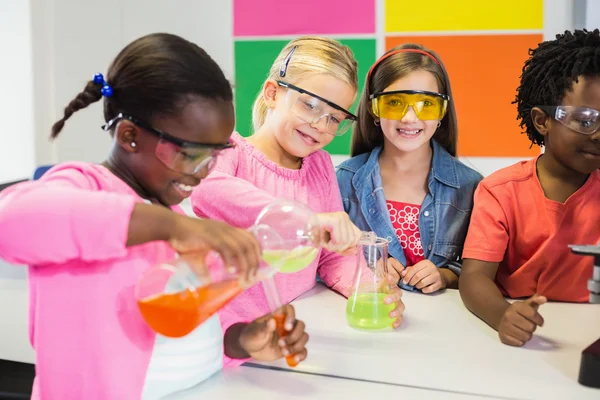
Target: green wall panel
x=252, y=62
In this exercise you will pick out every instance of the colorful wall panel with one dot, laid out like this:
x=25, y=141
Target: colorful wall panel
x=260, y=36
x=462, y=15
x=483, y=45
x=253, y=59
x=484, y=72
x=314, y=17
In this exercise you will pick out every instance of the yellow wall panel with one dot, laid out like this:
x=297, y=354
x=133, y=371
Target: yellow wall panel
x=462, y=15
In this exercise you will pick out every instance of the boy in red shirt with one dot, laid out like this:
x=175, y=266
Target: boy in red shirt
x=526, y=215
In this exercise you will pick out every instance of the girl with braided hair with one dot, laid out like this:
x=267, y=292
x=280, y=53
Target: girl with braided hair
x=88, y=232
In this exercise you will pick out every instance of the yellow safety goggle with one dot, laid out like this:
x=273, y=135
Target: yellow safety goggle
x=394, y=105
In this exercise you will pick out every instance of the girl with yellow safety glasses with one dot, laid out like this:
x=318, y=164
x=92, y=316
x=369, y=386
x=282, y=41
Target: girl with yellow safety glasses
x=403, y=181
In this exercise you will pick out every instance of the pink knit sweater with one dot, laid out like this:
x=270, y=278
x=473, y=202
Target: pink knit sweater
x=243, y=183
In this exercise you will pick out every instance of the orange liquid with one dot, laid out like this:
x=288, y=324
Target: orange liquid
x=280, y=322
x=177, y=314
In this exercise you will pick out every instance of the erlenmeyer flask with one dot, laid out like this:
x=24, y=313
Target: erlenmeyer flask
x=366, y=309
x=177, y=296
x=297, y=226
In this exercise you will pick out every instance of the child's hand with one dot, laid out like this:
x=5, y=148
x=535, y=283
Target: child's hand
x=395, y=269
x=261, y=341
x=520, y=320
x=395, y=297
x=338, y=233
x=424, y=275
x=236, y=246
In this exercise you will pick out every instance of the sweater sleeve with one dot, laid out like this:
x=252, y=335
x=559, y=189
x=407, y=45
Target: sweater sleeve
x=234, y=200
x=62, y=217
x=335, y=270
x=227, y=198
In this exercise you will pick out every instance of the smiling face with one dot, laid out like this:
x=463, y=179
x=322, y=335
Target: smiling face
x=289, y=120
x=410, y=133
x=157, y=164
x=576, y=151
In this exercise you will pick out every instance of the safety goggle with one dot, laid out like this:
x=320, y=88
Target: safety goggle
x=580, y=119
x=180, y=155
x=394, y=105
x=314, y=110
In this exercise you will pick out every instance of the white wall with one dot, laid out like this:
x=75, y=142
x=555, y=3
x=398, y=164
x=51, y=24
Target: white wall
x=74, y=39
x=558, y=17
x=16, y=91
x=592, y=14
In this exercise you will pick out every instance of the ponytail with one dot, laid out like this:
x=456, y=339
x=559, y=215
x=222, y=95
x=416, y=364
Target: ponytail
x=90, y=94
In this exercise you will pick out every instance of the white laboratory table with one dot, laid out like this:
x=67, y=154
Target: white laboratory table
x=442, y=346
x=440, y=349
x=264, y=384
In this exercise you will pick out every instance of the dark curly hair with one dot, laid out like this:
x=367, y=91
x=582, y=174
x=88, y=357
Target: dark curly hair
x=550, y=72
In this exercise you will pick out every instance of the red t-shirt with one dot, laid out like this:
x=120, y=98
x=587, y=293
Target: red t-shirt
x=514, y=224
x=405, y=220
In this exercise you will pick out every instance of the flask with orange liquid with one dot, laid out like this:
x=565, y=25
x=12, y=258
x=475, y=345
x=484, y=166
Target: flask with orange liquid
x=177, y=296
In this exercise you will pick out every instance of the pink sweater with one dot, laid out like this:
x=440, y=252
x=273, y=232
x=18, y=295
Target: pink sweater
x=243, y=183
x=91, y=343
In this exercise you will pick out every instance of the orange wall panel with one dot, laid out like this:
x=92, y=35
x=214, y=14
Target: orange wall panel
x=484, y=73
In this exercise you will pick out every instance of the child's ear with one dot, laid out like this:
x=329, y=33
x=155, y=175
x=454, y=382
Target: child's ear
x=126, y=133
x=540, y=120
x=270, y=92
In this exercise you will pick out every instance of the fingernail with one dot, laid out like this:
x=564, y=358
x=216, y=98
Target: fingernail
x=296, y=359
x=288, y=326
x=285, y=352
x=281, y=343
x=393, y=314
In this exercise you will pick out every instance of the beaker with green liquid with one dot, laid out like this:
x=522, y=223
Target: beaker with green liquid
x=366, y=309
x=298, y=230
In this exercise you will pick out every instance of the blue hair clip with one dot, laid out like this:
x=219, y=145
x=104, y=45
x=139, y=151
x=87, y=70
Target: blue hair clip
x=106, y=90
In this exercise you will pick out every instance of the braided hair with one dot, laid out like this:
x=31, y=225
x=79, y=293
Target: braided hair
x=550, y=72
x=157, y=74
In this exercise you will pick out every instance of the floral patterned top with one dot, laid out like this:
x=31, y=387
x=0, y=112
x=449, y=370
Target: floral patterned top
x=405, y=220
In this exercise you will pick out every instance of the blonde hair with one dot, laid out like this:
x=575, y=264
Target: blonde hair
x=313, y=55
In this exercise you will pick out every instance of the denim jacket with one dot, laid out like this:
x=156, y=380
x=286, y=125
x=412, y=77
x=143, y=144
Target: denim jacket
x=445, y=212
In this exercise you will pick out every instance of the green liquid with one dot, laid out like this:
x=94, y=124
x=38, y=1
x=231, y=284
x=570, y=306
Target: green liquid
x=293, y=260
x=368, y=311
